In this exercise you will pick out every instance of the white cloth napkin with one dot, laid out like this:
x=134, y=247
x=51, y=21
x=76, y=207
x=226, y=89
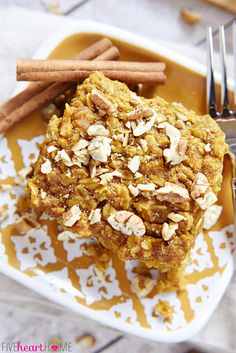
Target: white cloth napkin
x=21, y=32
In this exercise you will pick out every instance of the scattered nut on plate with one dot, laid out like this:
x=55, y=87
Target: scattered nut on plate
x=87, y=340
x=191, y=16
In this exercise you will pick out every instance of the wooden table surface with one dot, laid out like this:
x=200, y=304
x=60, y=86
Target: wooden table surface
x=23, y=313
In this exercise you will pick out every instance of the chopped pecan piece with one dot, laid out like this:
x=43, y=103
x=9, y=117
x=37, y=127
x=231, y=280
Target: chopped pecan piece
x=102, y=103
x=140, y=113
x=176, y=153
x=95, y=216
x=172, y=193
x=142, y=127
x=200, y=186
x=71, y=216
x=127, y=223
x=46, y=167
x=142, y=285
x=168, y=230
x=211, y=216
x=202, y=193
x=134, y=164
x=97, y=130
x=100, y=149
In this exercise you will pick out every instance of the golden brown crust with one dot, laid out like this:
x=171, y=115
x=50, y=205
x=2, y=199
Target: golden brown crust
x=139, y=172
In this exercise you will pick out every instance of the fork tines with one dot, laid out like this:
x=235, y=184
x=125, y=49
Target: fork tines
x=225, y=113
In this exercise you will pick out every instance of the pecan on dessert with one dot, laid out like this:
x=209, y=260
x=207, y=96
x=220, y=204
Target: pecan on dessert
x=138, y=174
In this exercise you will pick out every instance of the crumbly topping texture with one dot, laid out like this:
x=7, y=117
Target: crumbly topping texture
x=138, y=174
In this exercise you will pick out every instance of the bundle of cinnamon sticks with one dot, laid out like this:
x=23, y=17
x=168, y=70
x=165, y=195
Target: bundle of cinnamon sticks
x=53, y=77
x=40, y=93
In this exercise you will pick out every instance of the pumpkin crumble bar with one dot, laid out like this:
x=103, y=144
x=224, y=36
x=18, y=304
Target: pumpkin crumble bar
x=138, y=174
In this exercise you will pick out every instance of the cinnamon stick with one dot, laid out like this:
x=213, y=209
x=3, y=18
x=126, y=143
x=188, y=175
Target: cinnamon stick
x=25, y=66
x=131, y=77
x=92, y=52
x=16, y=101
x=111, y=53
x=44, y=97
x=25, y=102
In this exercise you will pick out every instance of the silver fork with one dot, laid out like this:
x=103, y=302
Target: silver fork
x=226, y=118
